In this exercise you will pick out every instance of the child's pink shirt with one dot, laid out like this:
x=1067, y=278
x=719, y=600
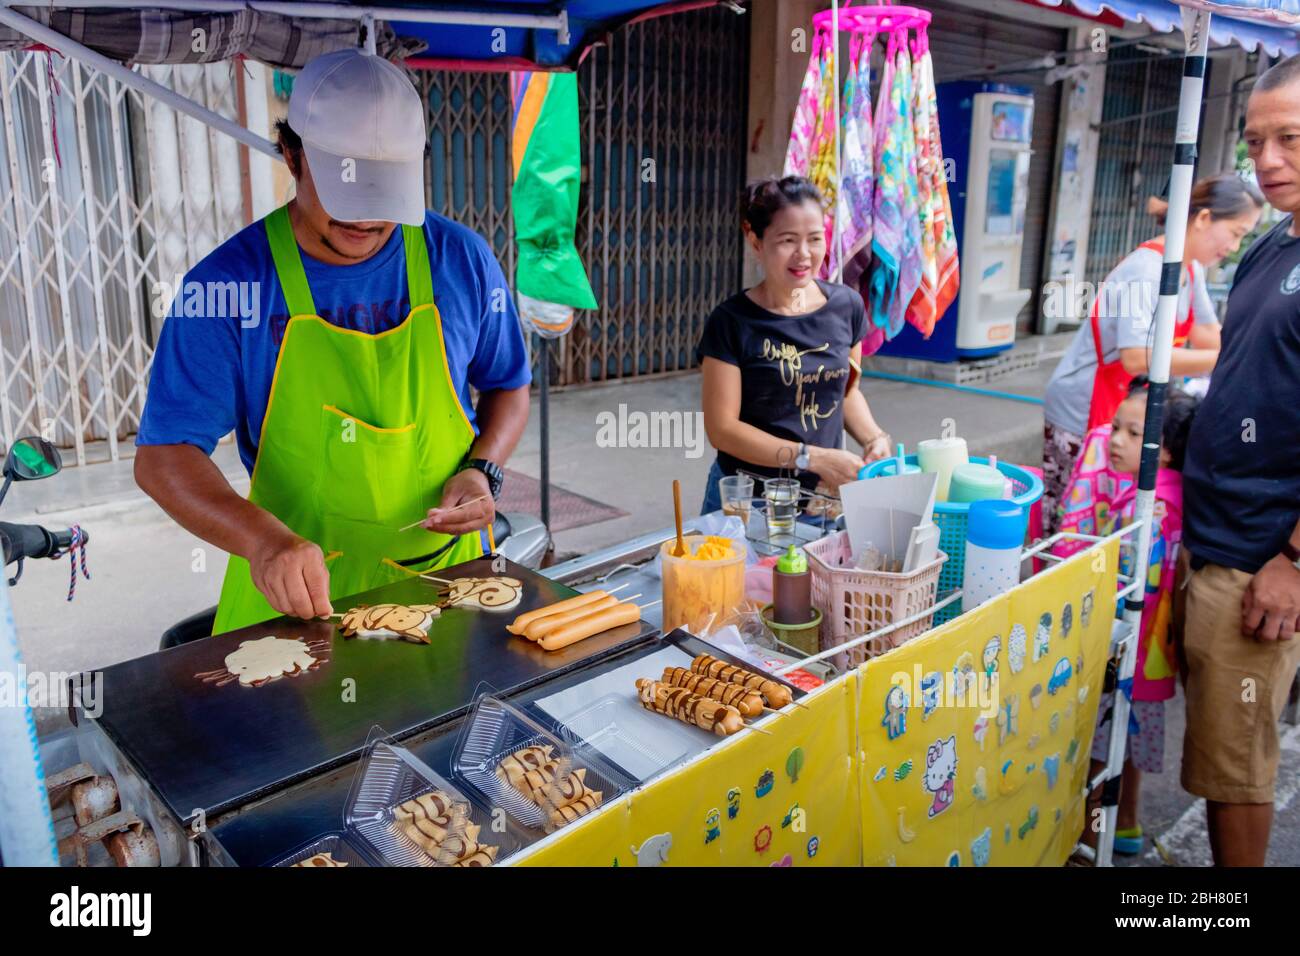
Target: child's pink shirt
x=1098, y=501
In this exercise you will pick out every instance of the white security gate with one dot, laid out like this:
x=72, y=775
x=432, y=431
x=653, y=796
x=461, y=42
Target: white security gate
x=104, y=193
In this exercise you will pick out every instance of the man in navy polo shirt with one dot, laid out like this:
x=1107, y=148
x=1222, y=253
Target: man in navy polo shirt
x=1242, y=509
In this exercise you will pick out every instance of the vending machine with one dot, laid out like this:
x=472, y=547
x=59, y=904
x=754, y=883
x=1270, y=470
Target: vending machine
x=986, y=131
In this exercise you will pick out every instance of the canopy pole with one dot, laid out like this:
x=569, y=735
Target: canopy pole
x=1196, y=30
x=76, y=51
x=368, y=22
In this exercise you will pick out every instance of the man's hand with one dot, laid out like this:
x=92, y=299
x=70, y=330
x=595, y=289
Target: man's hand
x=290, y=572
x=450, y=517
x=1271, y=605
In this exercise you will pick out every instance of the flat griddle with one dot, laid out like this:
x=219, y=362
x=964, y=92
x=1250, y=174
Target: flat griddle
x=210, y=748
x=261, y=834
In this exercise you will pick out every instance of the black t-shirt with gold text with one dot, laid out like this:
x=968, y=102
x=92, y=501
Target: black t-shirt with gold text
x=794, y=369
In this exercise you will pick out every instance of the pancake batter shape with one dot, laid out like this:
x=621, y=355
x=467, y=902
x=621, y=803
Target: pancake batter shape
x=266, y=659
x=490, y=594
x=390, y=620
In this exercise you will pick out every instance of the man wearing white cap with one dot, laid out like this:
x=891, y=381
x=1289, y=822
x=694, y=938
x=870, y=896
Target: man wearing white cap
x=347, y=383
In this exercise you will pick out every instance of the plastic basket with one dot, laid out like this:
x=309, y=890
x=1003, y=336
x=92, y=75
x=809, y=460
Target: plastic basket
x=856, y=602
x=950, y=517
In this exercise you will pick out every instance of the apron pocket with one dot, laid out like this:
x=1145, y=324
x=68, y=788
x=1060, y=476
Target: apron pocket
x=368, y=474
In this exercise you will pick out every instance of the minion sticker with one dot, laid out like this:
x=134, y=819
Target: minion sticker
x=733, y=803
x=712, y=826
x=765, y=784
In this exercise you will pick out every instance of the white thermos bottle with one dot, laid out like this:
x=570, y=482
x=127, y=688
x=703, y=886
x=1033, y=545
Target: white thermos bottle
x=995, y=533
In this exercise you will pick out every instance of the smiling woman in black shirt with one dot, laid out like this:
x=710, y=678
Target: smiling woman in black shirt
x=779, y=382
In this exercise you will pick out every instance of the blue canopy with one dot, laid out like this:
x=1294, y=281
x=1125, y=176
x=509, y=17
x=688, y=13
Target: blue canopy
x=1165, y=16
x=494, y=47
x=1276, y=11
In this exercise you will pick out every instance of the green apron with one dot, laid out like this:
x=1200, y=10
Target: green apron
x=360, y=434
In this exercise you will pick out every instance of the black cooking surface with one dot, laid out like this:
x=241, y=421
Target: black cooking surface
x=262, y=834
x=213, y=748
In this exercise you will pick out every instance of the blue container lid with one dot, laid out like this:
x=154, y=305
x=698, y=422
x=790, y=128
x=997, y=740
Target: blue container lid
x=995, y=523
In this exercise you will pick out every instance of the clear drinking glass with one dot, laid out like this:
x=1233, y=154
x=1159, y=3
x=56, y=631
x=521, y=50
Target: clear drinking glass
x=737, y=492
x=782, y=496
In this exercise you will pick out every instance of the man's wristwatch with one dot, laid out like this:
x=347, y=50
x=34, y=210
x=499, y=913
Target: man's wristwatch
x=491, y=470
x=1292, y=553
x=803, y=460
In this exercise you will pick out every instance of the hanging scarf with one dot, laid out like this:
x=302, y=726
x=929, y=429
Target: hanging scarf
x=798, y=154
x=887, y=206
x=921, y=310
x=855, y=197
x=948, y=270
x=822, y=168
x=910, y=263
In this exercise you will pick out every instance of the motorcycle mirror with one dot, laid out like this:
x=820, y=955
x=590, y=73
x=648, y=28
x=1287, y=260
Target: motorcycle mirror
x=32, y=458
x=29, y=459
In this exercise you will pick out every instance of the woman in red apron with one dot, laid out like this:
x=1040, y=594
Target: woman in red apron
x=1115, y=343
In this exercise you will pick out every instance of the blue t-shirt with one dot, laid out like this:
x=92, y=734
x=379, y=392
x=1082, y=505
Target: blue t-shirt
x=216, y=355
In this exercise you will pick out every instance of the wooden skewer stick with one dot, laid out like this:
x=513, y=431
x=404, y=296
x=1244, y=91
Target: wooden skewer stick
x=651, y=604
x=430, y=577
x=463, y=504
x=759, y=730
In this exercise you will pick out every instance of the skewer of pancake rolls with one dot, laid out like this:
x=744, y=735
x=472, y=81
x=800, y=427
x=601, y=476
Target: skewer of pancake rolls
x=566, y=622
x=712, y=695
x=561, y=792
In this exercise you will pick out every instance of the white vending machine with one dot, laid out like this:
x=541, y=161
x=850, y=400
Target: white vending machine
x=993, y=231
x=986, y=129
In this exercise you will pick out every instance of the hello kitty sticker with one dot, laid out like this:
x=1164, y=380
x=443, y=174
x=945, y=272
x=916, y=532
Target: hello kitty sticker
x=940, y=778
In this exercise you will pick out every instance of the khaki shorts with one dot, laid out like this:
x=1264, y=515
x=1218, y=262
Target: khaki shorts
x=1236, y=688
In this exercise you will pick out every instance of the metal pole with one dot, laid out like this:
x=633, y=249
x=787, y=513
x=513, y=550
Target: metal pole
x=544, y=388
x=1196, y=30
x=76, y=51
x=837, y=273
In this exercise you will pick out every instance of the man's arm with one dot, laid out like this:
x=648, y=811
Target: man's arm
x=288, y=570
x=502, y=415
x=1271, y=604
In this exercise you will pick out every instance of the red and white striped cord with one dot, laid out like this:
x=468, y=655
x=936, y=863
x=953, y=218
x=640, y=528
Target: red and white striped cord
x=75, y=551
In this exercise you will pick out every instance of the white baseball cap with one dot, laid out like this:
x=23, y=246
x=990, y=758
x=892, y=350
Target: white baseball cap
x=362, y=128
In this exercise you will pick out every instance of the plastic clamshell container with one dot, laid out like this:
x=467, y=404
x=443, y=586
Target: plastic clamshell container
x=493, y=731
x=390, y=775
x=335, y=844
x=629, y=736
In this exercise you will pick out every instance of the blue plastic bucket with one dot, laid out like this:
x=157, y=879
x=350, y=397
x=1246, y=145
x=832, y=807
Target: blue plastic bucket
x=1026, y=488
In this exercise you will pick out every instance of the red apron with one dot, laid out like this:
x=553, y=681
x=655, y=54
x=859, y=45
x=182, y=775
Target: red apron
x=1110, y=387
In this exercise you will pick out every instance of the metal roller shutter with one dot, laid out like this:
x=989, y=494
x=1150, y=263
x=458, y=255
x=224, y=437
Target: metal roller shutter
x=964, y=44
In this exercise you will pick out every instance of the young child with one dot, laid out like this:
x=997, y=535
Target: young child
x=1101, y=497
